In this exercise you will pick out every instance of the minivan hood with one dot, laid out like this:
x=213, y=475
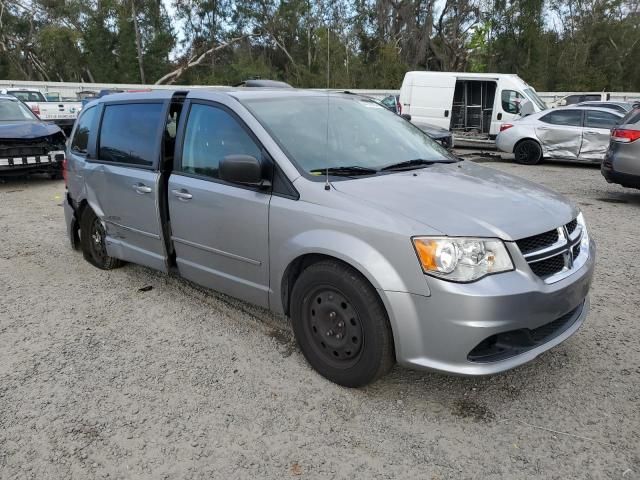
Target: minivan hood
x=465, y=199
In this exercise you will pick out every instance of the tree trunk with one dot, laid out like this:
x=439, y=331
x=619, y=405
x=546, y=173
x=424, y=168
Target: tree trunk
x=134, y=16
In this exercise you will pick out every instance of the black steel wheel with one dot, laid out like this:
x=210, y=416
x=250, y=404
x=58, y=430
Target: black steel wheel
x=333, y=327
x=528, y=152
x=341, y=325
x=93, y=242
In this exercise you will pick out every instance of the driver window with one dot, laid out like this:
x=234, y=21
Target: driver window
x=212, y=134
x=512, y=101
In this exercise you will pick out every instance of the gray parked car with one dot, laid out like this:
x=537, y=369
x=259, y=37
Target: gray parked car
x=441, y=135
x=622, y=162
x=376, y=242
x=567, y=133
x=620, y=107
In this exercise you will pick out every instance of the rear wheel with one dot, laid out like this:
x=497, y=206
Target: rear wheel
x=93, y=242
x=341, y=324
x=528, y=152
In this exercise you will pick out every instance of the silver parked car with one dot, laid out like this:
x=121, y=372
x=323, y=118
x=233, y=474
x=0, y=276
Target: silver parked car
x=622, y=162
x=376, y=242
x=568, y=133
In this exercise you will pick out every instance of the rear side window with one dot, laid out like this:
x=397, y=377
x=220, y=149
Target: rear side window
x=129, y=133
x=591, y=98
x=511, y=101
x=633, y=117
x=572, y=118
x=597, y=119
x=212, y=134
x=83, y=131
x=572, y=99
x=612, y=106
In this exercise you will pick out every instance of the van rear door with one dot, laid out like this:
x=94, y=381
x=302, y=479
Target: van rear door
x=122, y=181
x=429, y=98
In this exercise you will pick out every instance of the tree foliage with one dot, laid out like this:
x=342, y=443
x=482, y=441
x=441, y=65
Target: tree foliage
x=553, y=44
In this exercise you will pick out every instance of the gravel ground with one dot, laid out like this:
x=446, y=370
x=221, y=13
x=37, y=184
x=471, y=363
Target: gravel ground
x=99, y=379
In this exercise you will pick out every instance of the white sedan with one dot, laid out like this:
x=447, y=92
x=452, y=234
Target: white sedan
x=567, y=133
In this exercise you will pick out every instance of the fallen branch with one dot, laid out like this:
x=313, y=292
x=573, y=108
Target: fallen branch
x=194, y=61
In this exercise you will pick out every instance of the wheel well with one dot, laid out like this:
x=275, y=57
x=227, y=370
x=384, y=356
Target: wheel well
x=524, y=140
x=78, y=212
x=81, y=208
x=297, y=266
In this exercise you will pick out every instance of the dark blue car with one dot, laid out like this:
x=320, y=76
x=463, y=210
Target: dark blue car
x=27, y=144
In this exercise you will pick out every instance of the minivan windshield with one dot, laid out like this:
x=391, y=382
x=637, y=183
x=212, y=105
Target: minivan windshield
x=14, y=111
x=346, y=134
x=535, y=98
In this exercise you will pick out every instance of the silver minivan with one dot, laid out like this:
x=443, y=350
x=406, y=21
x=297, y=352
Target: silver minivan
x=378, y=244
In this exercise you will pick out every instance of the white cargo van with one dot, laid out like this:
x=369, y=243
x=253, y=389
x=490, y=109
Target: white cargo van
x=473, y=104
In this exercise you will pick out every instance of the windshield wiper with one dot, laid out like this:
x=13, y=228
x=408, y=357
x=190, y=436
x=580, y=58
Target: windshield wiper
x=411, y=164
x=347, y=170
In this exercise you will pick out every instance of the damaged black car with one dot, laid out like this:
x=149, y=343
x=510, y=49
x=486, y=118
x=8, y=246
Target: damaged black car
x=27, y=144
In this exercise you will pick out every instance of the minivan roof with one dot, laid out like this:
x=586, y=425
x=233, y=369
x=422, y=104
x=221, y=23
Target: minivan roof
x=238, y=93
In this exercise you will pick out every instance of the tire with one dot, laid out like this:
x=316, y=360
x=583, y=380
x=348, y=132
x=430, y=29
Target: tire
x=528, y=152
x=341, y=324
x=92, y=241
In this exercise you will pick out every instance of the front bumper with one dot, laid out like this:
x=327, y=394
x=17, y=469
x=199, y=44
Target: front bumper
x=52, y=161
x=441, y=332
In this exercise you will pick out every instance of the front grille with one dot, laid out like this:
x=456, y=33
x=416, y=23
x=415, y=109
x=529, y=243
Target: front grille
x=25, y=151
x=548, y=267
x=509, y=344
x=552, y=252
x=537, y=242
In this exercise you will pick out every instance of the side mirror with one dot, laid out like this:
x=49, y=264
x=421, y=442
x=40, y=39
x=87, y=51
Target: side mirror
x=406, y=116
x=242, y=169
x=526, y=108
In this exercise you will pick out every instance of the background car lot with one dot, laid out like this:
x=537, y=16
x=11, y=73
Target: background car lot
x=100, y=379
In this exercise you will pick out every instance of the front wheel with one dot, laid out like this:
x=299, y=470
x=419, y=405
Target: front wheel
x=93, y=242
x=341, y=325
x=528, y=152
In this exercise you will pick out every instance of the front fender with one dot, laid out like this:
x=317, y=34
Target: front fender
x=378, y=268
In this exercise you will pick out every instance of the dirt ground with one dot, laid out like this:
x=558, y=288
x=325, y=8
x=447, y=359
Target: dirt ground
x=100, y=379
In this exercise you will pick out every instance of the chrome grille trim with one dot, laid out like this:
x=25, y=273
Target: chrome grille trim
x=565, y=246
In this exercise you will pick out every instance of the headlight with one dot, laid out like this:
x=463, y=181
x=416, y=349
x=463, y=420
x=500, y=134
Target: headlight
x=462, y=259
x=584, y=242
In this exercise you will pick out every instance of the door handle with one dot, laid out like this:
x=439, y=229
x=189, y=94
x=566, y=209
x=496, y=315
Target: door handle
x=182, y=194
x=591, y=132
x=141, y=188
